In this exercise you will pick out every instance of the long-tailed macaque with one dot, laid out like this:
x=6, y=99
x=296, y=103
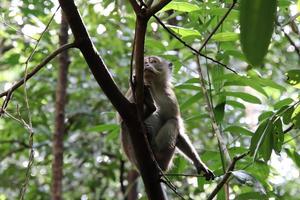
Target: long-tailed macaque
x=164, y=126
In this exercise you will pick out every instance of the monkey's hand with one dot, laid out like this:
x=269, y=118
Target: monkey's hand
x=208, y=174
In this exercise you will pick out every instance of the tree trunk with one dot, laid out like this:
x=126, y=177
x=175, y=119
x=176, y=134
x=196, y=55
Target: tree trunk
x=60, y=102
x=132, y=185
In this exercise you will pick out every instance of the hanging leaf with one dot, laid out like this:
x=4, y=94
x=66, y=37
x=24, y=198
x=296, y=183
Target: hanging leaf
x=278, y=136
x=190, y=101
x=262, y=132
x=245, y=96
x=257, y=19
x=287, y=115
x=181, y=6
x=238, y=130
x=296, y=116
x=265, y=115
x=294, y=155
x=283, y=102
x=219, y=112
x=293, y=78
x=244, y=177
x=225, y=37
x=235, y=104
x=184, y=32
x=104, y=128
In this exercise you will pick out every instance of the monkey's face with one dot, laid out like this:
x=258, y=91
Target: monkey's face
x=156, y=70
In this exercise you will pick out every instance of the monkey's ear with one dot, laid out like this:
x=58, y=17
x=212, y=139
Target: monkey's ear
x=170, y=66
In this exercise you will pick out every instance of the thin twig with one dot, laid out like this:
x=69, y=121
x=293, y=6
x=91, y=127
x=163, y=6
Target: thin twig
x=289, y=129
x=211, y=113
x=38, y=68
x=190, y=47
x=184, y=175
x=31, y=132
x=296, y=136
x=13, y=28
x=297, y=49
x=218, y=25
x=173, y=189
x=226, y=175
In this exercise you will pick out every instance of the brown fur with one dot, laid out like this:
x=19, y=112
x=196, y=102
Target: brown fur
x=165, y=124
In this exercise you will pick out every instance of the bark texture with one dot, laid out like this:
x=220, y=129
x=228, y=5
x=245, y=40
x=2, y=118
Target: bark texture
x=60, y=103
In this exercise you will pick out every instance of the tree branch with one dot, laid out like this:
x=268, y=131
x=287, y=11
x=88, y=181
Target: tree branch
x=38, y=67
x=195, y=51
x=94, y=61
x=127, y=110
x=297, y=49
x=226, y=175
x=135, y=6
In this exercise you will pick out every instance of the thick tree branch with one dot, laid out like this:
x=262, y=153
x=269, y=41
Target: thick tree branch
x=135, y=6
x=95, y=63
x=127, y=110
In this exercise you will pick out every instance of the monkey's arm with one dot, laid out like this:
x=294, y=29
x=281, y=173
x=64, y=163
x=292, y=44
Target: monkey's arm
x=185, y=146
x=149, y=103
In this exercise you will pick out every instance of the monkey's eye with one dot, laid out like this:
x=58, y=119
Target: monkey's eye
x=153, y=60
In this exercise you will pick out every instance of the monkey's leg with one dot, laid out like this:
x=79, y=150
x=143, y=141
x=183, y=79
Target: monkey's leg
x=185, y=145
x=165, y=143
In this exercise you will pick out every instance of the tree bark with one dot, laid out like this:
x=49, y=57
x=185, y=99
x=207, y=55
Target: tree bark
x=128, y=111
x=60, y=102
x=132, y=185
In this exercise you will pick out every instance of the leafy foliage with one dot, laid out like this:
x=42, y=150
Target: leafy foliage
x=254, y=107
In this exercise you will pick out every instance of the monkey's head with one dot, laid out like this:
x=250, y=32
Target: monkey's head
x=156, y=70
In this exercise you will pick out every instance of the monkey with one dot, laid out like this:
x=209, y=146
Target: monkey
x=164, y=126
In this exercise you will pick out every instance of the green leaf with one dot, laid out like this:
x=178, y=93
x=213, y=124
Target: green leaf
x=283, y=102
x=296, y=116
x=245, y=96
x=265, y=115
x=247, y=82
x=245, y=178
x=104, y=128
x=184, y=32
x=181, y=6
x=293, y=78
x=190, y=101
x=236, y=54
x=235, y=104
x=251, y=195
x=238, y=130
x=263, y=130
x=221, y=12
x=265, y=82
x=219, y=112
x=257, y=19
x=287, y=115
x=225, y=37
x=188, y=87
x=267, y=143
x=196, y=117
x=278, y=136
x=294, y=155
